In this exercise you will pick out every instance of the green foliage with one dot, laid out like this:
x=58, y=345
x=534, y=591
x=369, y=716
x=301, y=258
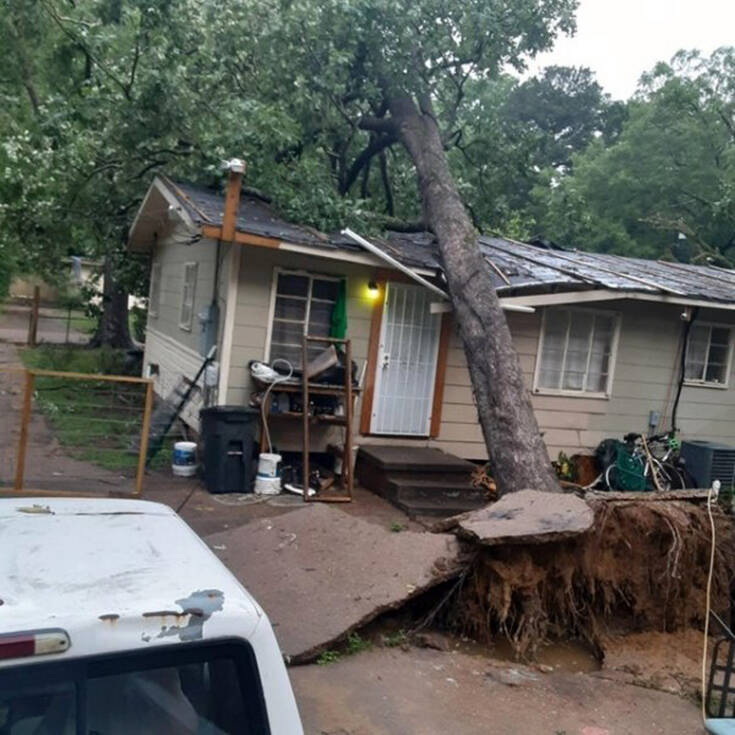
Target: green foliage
x=103, y=361
x=328, y=657
x=356, y=644
x=396, y=527
x=395, y=640
x=671, y=170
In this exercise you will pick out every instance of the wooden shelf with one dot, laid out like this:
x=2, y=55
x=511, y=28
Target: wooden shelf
x=315, y=388
x=315, y=418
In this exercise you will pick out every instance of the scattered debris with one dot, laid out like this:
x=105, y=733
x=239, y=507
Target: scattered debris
x=511, y=676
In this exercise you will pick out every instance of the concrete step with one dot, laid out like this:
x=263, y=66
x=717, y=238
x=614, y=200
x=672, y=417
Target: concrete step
x=438, y=508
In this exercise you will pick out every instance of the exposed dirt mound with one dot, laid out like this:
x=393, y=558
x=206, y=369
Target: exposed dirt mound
x=641, y=567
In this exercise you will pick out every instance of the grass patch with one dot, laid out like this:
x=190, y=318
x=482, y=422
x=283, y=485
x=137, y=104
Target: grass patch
x=94, y=420
x=355, y=644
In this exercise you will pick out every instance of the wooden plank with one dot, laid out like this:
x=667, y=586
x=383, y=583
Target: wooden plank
x=441, y=370
x=89, y=376
x=242, y=238
x=372, y=360
x=232, y=204
x=143, y=449
x=648, y=497
x=25, y=417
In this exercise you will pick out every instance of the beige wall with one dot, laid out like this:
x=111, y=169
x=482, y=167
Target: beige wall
x=173, y=349
x=645, y=375
x=645, y=371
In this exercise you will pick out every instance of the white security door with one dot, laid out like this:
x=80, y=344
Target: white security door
x=409, y=342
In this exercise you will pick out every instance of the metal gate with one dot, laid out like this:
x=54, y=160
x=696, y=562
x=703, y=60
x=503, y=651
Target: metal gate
x=73, y=433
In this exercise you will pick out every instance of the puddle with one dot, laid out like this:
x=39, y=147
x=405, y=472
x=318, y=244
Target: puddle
x=568, y=656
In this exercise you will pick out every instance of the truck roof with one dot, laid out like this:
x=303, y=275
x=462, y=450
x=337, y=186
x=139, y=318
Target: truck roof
x=115, y=574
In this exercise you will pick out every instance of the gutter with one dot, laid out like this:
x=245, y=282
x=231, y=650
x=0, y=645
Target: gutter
x=390, y=260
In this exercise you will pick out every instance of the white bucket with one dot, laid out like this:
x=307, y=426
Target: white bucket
x=267, y=485
x=268, y=464
x=184, y=462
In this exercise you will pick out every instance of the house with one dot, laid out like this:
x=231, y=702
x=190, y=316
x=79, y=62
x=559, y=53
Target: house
x=600, y=337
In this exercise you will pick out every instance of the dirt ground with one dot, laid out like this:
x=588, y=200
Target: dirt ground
x=427, y=692
x=47, y=466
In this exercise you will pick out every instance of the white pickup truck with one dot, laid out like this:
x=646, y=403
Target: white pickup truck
x=116, y=619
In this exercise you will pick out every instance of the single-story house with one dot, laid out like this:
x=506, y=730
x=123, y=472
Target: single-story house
x=600, y=337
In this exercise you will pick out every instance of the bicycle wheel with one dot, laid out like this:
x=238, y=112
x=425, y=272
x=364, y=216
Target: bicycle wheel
x=611, y=478
x=676, y=479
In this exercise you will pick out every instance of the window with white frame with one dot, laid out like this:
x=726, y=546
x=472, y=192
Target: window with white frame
x=302, y=304
x=154, y=298
x=708, y=354
x=576, y=351
x=186, y=316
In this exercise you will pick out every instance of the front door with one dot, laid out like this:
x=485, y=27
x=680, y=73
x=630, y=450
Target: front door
x=406, y=369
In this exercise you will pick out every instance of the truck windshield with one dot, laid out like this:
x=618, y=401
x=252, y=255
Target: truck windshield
x=211, y=689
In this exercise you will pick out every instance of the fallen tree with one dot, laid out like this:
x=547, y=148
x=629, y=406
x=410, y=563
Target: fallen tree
x=641, y=567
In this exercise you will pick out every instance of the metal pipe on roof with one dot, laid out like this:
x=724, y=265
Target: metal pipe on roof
x=375, y=250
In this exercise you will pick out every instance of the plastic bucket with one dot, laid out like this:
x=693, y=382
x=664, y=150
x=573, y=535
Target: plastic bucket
x=268, y=464
x=267, y=485
x=184, y=463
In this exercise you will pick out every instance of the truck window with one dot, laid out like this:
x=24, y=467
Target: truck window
x=190, y=689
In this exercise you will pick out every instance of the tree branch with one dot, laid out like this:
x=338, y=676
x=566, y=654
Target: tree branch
x=376, y=145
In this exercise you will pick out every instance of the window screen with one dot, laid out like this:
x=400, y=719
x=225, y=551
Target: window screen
x=187, y=295
x=708, y=354
x=576, y=352
x=304, y=305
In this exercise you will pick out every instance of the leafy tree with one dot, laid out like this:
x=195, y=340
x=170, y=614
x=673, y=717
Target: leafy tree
x=396, y=73
x=670, y=171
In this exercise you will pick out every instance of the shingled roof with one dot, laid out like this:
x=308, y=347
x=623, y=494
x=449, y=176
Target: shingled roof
x=516, y=268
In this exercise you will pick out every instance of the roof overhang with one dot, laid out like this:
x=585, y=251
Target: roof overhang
x=597, y=295
x=158, y=215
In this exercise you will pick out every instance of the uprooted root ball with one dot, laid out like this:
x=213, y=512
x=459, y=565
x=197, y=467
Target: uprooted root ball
x=642, y=566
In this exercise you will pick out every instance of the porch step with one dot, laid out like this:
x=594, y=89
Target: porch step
x=394, y=458
x=420, y=481
x=437, y=508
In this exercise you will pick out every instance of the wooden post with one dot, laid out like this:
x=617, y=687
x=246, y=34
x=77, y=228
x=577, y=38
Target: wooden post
x=33, y=321
x=305, y=470
x=144, y=429
x=347, y=480
x=25, y=417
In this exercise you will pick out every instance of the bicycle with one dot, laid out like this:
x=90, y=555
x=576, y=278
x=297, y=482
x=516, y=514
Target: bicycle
x=647, y=463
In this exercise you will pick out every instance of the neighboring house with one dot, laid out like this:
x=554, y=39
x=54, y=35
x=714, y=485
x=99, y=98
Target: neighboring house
x=599, y=336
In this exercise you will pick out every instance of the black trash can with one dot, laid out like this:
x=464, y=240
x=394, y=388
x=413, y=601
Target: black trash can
x=228, y=433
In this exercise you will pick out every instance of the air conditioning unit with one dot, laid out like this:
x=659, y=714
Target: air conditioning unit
x=709, y=461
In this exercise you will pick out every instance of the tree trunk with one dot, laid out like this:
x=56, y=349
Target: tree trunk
x=514, y=444
x=113, y=329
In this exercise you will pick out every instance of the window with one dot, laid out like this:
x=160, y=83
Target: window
x=708, y=355
x=576, y=352
x=187, y=295
x=154, y=299
x=303, y=304
x=191, y=688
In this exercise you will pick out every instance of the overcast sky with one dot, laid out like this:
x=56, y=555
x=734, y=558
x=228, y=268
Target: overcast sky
x=620, y=39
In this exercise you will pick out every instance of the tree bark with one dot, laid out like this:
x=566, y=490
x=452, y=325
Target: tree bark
x=515, y=448
x=113, y=329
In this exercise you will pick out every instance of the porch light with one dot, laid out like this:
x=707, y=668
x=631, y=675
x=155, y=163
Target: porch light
x=373, y=289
